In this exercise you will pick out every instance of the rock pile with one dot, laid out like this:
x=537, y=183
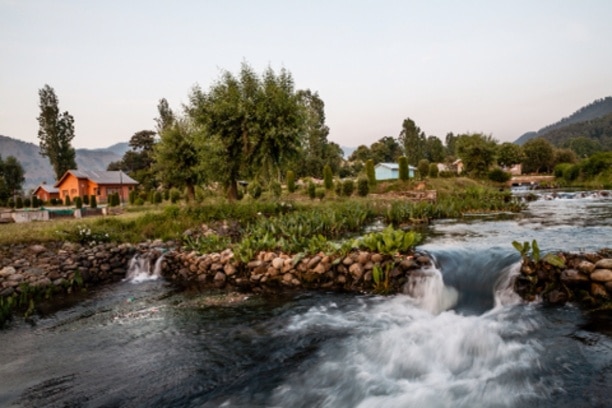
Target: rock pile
x=585, y=277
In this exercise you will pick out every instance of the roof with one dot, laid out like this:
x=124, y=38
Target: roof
x=393, y=166
x=49, y=189
x=100, y=177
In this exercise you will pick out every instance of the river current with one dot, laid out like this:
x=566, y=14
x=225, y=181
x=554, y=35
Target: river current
x=461, y=339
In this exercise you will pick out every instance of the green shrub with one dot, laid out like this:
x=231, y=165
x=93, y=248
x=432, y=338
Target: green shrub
x=166, y=194
x=85, y=199
x=67, y=201
x=139, y=201
x=423, y=168
x=132, y=197
x=363, y=186
x=328, y=177
x=11, y=202
x=157, y=197
x=559, y=169
x=403, y=168
x=370, y=173
x=93, y=202
x=175, y=195
x=348, y=186
x=338, y=187
x=78, y=202
x=499, y=175
x=276, y=188
x=571, y=172
x=255, y=190
x=320, y=193
x=27, y=202
x=290, y=181
x=312, y=190
x=433, y=170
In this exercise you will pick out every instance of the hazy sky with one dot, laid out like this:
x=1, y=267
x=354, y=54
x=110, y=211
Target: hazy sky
x=498, y=67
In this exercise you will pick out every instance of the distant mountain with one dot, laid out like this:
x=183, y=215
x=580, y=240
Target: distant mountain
x=38, y=169
x=598, y=130
x=597, y=109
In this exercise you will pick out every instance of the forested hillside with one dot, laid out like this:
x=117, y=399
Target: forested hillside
x=37, y=168
x=597, y=130
x=595, y=110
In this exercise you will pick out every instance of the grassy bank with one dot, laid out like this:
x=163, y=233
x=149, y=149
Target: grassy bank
x=292, y=220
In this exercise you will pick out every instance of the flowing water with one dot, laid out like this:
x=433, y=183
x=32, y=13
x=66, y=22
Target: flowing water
x=458, y=338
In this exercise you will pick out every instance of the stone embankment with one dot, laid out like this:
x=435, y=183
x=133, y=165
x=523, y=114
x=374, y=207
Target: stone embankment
x=357, y=271
x=585, y=278
x=60, y=265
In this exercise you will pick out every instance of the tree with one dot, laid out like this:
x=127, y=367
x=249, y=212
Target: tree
x=138, y=161
x=477, y=151
x=55, y=133
x=248, y=125
x=12, y=175
x=451, y=144
x=509, y=154
x=386, y=150
x=434, y=149
x=413, y=140
x=328, y=177
x=583, y=146
x=315, y=149
x=176, y=161
x=565, y=156
x=371, y=173
x=404, y=173
x=539, y=156
x=166, y=117
x=362, y=153
x=423, y=168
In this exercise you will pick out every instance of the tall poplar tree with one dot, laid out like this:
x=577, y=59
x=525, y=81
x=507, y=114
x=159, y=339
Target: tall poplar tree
x=55, y=132
x=413, y=140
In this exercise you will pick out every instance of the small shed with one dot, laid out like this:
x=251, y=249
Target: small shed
x=45, y=192
x=390, y=171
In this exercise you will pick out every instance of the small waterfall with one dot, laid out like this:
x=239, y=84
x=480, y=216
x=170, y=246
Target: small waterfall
x=427, y=289
x=144, y=267
x=504, y=293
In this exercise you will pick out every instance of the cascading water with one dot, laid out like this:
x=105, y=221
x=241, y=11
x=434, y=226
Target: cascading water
x=144, y=267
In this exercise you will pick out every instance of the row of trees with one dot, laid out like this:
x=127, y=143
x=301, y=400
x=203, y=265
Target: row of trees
x=478, y=152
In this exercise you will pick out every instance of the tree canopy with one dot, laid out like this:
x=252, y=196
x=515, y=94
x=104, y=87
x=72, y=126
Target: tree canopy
x=477, y=152
x=55, y=132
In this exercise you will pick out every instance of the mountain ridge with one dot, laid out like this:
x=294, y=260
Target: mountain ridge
x=38, y=169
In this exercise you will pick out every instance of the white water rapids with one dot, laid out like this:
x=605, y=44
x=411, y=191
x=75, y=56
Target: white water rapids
x=412, y=351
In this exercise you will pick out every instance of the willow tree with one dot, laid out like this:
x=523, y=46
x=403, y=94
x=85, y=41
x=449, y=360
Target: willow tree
x=250, y=125
x=55, y=132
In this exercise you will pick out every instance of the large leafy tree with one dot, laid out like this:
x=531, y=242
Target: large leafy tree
x=175, y=157
x=315, y=150
x=138, y=161
x=413, y=140
x=55, y=132
x=510, y=154
x=539, y=156
x=477, y=152
x=166, y=116
x=249, y=125
x=434, y=150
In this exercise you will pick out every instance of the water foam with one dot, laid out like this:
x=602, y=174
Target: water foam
x=413, y=351
x=143, y=269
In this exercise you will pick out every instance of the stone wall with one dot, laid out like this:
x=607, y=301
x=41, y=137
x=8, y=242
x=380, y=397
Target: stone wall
x=586, y=278
x=271, y=271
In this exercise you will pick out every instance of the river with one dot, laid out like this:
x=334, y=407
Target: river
x=461, y=340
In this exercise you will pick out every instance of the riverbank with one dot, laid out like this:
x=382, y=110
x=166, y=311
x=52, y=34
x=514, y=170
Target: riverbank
x=31, y=273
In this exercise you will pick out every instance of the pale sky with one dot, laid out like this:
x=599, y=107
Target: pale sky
x=498, y=67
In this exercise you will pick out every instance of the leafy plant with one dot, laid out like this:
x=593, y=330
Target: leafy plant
x=535, y=256
x=381, y=278
x=389, y=241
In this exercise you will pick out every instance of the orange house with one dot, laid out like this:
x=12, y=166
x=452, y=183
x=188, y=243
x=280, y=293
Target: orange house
x=79, y=183
x=46, y=192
